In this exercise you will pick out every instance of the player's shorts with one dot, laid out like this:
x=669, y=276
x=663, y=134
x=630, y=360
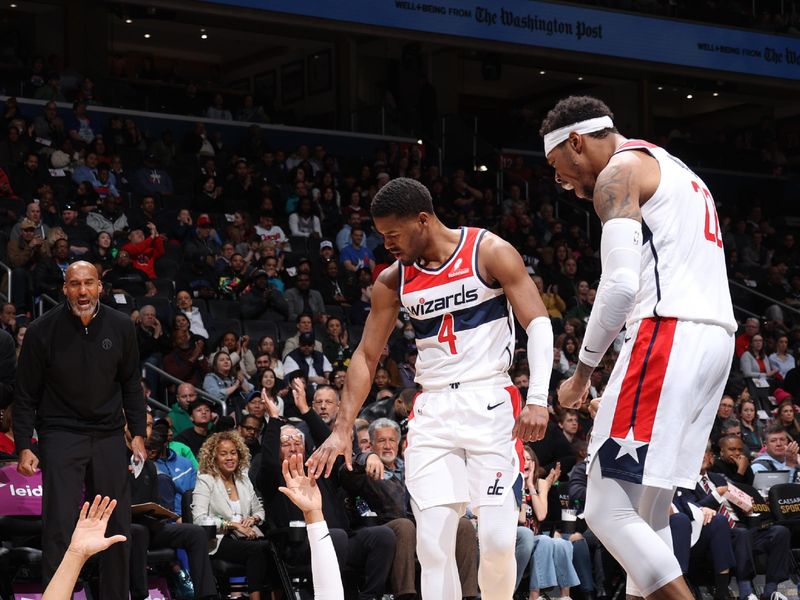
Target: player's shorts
x=460, y=448
x=660, y=402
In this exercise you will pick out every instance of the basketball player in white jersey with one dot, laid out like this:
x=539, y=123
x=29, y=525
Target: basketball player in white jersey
x=663, y=278
x=461, y=288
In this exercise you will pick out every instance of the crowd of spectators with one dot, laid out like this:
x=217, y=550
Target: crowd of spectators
x=248, y=272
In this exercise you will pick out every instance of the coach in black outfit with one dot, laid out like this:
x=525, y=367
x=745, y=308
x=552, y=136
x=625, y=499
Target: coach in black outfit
x=78, y=381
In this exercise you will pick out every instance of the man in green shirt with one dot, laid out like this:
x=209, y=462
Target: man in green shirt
x=179, y=418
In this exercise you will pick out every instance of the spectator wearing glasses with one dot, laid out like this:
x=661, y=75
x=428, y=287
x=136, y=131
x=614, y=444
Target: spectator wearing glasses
x=724, y=412
x=779, y=454
x=369, y=549
x=250, y=430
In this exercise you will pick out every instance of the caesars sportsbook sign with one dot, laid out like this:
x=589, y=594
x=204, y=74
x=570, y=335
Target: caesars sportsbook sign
x=566, y=28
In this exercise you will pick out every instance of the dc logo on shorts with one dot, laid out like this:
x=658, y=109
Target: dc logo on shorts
x=106, y=344
x=495, y=489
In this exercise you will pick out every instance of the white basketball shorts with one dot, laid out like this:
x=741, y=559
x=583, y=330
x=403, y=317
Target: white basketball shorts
x=460, y=448
x=659, y=405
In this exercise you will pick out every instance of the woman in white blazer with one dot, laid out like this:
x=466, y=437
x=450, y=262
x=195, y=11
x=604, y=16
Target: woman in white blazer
x=224, y=497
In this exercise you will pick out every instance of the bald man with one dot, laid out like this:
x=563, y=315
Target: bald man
x=78, y=382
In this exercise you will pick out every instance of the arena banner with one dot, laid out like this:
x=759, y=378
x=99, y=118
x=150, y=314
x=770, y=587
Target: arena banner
x=564, y=27
x=20, y=495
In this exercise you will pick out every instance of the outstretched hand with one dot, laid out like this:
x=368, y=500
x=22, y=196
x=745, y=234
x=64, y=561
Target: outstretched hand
x=301, y=489
x=89, y=535
x=324, y=457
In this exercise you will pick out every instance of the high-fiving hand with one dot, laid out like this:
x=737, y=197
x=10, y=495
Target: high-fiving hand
x=89, y=536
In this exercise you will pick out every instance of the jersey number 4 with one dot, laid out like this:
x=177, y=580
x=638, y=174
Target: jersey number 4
x=711, y=230
x=447, y=334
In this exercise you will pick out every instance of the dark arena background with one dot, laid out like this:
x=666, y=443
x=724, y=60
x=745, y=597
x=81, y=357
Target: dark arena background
x=216, y=160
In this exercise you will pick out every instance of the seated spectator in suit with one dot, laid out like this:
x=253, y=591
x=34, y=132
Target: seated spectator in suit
x=772, y=540
x=378, y=481
x=312, y=363
x=368, y=549
x=733, y=462
x=779, y=454
x=225, y=498
x=714, y=540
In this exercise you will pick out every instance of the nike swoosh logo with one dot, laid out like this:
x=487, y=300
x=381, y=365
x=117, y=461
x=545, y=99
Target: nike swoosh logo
x=493, y=406
x=628, y=339
x=591, y=351
x=327, y=535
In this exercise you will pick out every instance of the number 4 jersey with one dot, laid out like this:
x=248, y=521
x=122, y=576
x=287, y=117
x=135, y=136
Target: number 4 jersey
x=464, y=327
x=683, y=272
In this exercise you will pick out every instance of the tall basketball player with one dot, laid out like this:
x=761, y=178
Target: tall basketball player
x=462, y=289
x=664, y=278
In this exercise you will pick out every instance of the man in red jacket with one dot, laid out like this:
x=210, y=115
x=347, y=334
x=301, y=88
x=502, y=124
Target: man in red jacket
x=145, y=251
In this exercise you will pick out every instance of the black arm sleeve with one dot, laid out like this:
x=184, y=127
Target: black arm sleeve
x=130, y=377
x=28, y=392
x=270, y=476
x=319, y=430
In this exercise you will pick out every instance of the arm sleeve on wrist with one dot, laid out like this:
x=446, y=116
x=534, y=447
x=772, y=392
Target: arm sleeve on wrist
x=327, y=581
x=620, y=250
x=540, y=359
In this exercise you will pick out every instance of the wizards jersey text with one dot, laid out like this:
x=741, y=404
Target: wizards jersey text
x=464, y=327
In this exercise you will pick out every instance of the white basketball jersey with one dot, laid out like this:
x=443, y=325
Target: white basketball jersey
x=464, y=327
x=683, y=272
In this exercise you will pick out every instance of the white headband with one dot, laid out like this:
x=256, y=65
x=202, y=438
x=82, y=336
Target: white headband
x=555, y=137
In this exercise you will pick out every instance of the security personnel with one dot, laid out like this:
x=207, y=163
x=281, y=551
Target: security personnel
x=78, y=381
